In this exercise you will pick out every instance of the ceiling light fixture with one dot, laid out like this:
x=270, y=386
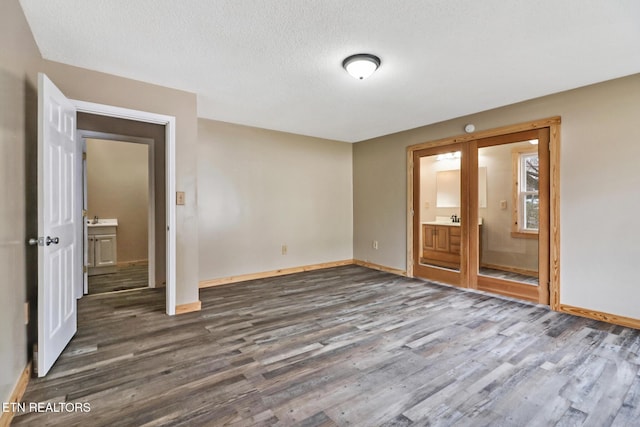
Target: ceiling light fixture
x=362, y=65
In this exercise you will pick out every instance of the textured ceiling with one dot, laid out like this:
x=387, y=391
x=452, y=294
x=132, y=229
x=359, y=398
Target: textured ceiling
x=277, y=64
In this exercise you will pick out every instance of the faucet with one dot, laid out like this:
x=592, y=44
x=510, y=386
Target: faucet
x=455, y=219
x=95, y=220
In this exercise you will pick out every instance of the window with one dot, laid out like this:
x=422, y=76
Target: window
x=526, y=199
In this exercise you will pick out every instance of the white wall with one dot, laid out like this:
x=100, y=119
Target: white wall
x=261, y=189
x=599, y=181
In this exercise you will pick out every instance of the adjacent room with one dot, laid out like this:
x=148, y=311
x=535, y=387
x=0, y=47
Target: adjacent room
x=367, y=213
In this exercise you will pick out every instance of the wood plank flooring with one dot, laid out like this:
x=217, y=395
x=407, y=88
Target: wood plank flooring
x=127, y=277
x=346, y=346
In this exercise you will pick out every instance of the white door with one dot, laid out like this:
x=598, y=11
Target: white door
x=59, y=216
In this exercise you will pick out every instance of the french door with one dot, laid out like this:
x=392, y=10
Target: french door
x=481, y=214
x=439, y=184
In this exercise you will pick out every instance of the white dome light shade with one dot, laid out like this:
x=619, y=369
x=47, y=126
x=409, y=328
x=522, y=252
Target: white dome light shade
x=362, y=65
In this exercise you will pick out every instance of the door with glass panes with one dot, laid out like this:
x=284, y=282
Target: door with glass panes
x=481, y=214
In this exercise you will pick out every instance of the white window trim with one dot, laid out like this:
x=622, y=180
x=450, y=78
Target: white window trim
x=518, y=196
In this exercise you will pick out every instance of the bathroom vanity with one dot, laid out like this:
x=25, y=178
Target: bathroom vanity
x=441, y=242
x=102, y=246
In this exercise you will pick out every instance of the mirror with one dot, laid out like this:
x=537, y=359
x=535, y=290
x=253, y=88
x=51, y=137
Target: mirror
x=448, y=188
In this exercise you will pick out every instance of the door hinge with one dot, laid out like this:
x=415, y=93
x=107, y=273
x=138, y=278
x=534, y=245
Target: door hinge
x=84, y=213
x=84, y=268
x=84, y=156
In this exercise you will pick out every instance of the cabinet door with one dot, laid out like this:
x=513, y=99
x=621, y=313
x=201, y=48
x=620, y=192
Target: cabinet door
x=454, y=240
x=105, y=250
x=91, y=261
x=429, y=237
x=442, y=238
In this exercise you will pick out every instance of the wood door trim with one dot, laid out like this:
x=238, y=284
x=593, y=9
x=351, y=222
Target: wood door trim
x=553, y=123
x=554, y=216
x=544, y=193
x=510, y=289
x=520, y=127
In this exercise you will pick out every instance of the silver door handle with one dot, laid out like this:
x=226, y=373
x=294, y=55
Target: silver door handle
x=50, y=240
x=36, y=241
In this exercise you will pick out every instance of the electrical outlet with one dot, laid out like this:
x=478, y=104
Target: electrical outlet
x=179, y=197
x=503, y=204
x=426, y=205
x=284, y=249
x=375, y=244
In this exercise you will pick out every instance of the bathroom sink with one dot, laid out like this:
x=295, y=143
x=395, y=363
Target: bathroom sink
x=442, y=223
x=106, y=222
x=447, y=221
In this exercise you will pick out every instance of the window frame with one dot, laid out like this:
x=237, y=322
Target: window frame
x=519, y=195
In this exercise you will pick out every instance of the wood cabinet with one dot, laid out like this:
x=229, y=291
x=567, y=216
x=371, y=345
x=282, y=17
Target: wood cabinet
x=102, y=250
x=441, y=245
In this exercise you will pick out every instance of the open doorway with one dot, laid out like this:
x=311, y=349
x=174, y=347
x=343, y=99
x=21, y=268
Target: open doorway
x=119, y=201
x=129, y=135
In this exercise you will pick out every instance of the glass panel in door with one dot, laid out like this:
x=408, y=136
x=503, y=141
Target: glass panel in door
x=439, y=211
x=508, y=211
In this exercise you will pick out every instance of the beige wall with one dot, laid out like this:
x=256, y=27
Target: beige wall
x=598, y=181
x=262, y=189
x=18, y=55
x=118, y=187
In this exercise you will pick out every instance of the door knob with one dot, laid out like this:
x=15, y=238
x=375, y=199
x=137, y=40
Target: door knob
x=50, y=240
x=35, y=241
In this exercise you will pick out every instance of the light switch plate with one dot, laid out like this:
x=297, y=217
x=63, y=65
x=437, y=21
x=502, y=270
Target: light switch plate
x=179, y=197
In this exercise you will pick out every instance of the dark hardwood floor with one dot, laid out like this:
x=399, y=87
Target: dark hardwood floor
x=127, y=277
x=346, y=346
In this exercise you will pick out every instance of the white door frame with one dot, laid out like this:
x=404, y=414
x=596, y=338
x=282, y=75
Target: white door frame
x=170, y=167
x=151, y=208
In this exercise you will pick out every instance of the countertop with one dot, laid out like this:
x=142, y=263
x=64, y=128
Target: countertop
x=107, y=222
